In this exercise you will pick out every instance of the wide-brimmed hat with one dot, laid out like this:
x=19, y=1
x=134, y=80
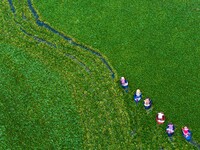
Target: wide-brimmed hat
x=160, y=115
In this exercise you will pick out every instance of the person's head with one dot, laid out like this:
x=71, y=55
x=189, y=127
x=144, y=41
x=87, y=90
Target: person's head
x=122, y=80
x=185, y=130
x=138, y=92
x=147, y=101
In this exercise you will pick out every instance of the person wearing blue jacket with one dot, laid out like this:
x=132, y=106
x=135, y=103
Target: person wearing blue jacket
x=147, y=103
x=137, y=96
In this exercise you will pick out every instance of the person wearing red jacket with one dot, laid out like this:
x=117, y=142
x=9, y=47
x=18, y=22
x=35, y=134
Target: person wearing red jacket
x=160, y=118
x=187, y=133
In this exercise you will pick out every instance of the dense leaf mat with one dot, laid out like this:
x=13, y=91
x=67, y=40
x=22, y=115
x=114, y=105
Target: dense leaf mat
x=56, y=95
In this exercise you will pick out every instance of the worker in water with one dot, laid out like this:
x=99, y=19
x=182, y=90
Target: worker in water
x=186, y=133
x=170, y=129
x=137, y=95
x=124, y=83
x=147, y=103
x=160, y=118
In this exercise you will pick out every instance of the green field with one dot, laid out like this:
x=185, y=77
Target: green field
x=56, y=95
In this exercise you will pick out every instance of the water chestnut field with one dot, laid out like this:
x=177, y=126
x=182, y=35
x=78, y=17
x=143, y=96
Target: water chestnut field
x=60, y=65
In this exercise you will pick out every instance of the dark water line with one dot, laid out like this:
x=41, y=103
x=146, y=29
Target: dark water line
x=194, y=143
x=38, y=39
x=33, y=10
x=108, y=66
x=52, y=45
x=42, y=40
x=70, y=40
x=25, y=32
x=80, y=63
x=42, y=24
x=11, y=6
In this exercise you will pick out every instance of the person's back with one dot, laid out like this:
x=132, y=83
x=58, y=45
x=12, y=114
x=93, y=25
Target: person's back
x=170, y=129
x=186, y=133
x=137, y=96
x=124, y=83
x=160, y=118
x=147, y=103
